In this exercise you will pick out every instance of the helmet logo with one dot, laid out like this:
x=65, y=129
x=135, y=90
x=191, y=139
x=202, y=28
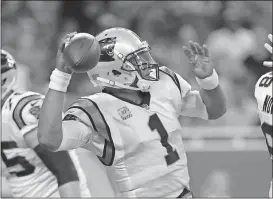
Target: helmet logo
x=6, y=63
x=107, y=46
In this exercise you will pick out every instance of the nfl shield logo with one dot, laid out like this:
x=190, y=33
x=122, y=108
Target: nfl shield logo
x=124, y=113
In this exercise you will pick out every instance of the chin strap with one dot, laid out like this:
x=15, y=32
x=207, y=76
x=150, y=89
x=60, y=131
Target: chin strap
x=142, y=84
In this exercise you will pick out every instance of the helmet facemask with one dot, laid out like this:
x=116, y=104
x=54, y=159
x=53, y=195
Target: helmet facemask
x=142, y=62
x=125, y=62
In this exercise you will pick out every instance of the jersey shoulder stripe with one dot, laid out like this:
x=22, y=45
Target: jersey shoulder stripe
x=172, y=75
x=8, y=144
x=74, y=117
x=6, y=97
x=101, y=124
x=22, y=103
x=91, y=109
x=86, y=107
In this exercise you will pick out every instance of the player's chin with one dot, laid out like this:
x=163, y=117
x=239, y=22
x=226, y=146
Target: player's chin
x=145, y=74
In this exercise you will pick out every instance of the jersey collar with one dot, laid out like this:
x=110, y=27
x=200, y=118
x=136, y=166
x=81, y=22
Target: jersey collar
x=146, y=98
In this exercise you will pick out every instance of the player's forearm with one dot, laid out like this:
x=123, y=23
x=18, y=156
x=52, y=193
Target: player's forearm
x=70, y=189
x=50, y=122
x=215, y=102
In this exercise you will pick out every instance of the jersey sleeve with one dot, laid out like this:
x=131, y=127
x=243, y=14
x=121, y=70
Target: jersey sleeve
x=26, y=112
x=192, y=103
x=81, y=125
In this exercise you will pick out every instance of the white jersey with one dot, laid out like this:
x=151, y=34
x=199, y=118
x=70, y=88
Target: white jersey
x=25, y=172
x=142, y=143
x=263, y=95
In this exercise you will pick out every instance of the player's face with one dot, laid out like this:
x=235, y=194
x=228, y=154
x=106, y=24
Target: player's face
x=145, y=65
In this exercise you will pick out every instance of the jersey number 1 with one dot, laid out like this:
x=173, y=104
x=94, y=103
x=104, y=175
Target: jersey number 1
x=156, y=124
x=28, y=168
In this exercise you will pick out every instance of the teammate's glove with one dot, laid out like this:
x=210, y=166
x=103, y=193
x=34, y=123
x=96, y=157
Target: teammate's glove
x=269, y=48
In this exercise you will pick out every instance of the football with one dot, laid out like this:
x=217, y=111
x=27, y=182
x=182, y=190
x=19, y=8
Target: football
x=82, y=52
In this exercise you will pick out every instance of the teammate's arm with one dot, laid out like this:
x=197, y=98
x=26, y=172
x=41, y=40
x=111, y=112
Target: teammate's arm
x=60, y=163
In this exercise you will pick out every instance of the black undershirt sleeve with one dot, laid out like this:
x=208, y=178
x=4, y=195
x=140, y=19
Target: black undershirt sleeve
x=59, y=163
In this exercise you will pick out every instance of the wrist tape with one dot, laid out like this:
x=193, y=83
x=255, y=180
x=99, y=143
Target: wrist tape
x=210, y=82
x=59, y=80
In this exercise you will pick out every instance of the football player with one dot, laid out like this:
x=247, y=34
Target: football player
x=132, y=125
x=263, y=95
x=30, y=169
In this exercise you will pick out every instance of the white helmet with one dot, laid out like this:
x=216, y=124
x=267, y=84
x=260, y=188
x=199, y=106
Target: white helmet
x=8, y=72
x=125, y=61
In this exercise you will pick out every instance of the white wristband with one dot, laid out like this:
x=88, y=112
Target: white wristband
x=210, y=82
x=59, y=80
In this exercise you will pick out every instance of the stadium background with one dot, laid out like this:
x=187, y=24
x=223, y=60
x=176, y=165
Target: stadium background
x=227, y=157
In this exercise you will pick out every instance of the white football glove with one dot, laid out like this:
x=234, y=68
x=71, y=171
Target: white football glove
x=269, y=48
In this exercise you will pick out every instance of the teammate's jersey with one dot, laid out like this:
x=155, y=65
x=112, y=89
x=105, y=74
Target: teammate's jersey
x=25, y=172
x=142, y=143
x=263, y=94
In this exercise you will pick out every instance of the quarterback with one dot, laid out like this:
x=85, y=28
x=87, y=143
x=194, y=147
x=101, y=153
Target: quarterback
x=30, y=169
x=132, y=125
x=263, y=95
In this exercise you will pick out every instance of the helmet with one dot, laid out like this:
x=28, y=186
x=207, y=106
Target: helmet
x=125, y=61
x=8, y=72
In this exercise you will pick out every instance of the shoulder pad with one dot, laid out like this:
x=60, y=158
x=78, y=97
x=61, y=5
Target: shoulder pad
x=172, y=74
x=27, y=109
x=263, y=82
x=87, y=111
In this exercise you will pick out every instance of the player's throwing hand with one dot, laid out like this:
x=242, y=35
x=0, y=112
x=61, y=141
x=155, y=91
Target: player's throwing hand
x=269, y=48
x=199, y=58
x=60, y=63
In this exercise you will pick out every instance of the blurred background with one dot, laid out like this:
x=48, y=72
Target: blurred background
x=227, y=157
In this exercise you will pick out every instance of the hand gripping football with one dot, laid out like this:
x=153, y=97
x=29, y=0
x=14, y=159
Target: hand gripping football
x=82, y=52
